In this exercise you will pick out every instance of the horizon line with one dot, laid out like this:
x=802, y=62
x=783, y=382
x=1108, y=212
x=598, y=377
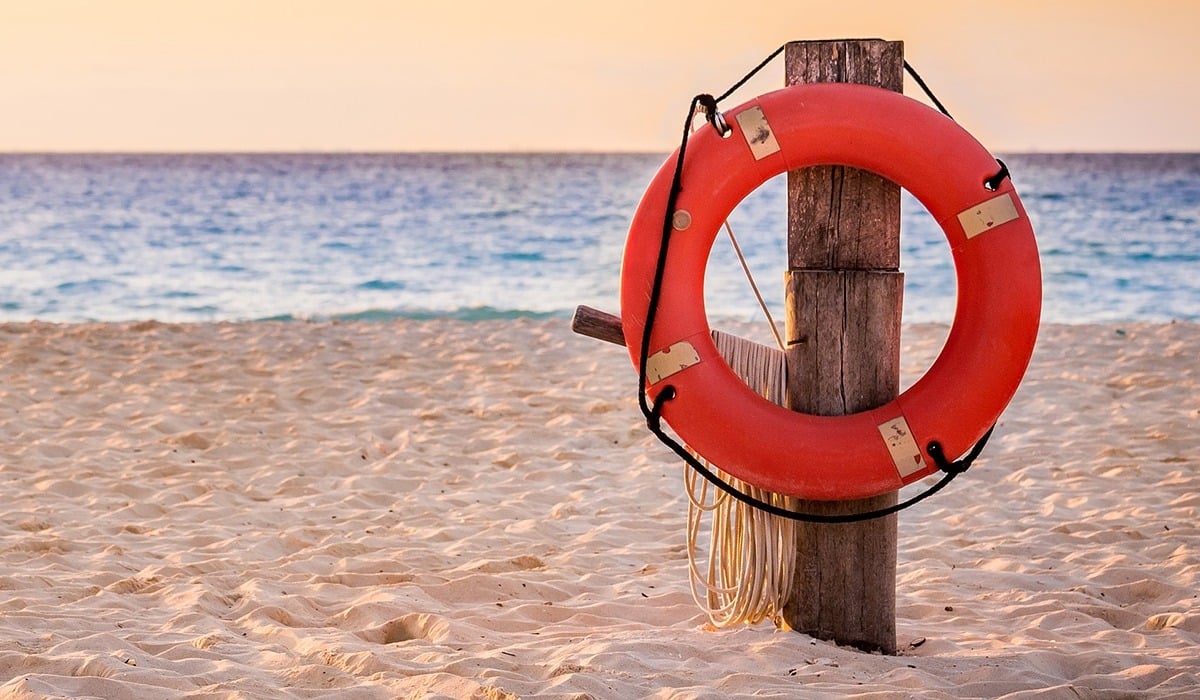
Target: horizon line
x=485, y=151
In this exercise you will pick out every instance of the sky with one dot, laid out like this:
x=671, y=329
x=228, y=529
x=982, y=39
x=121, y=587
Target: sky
x=564, y=75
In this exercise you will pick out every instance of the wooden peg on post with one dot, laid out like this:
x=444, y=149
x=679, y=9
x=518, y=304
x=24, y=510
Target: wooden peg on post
x=598, y=324
x=843, y=302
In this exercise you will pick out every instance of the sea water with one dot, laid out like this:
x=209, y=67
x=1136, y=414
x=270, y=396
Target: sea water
x=477, y=236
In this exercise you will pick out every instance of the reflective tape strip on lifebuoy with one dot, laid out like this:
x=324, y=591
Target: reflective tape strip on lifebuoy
x=969, y=384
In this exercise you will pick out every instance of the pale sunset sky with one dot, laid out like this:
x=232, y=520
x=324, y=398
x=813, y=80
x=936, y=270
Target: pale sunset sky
x=555, y=75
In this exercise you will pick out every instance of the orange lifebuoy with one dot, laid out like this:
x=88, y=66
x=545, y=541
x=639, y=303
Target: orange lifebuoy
x=969, y=384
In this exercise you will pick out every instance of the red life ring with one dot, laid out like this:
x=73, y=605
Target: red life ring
x=985, y=355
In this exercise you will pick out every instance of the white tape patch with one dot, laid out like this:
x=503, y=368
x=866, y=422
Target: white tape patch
x=986, y=216
x=673, y=360
x=902, y=446
x=757, y=131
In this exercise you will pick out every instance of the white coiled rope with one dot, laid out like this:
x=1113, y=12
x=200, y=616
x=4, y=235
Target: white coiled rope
x=751, y=553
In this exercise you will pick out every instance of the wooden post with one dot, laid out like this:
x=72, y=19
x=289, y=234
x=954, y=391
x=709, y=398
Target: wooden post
x=843, y=302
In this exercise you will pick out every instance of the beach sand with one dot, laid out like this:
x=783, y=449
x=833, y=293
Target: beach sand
x=475, y=510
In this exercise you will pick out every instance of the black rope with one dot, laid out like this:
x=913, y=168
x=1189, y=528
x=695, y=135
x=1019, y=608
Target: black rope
x=710, y=105
x=653, y=413
x=928, y=93
x=949, y=470
x=993, y=182
x=652, y=418
x=753, y=71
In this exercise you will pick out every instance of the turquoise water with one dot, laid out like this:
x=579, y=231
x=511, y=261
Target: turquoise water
x=477, y=236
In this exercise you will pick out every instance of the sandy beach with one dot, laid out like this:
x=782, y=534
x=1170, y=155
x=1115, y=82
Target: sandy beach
x=475, y=510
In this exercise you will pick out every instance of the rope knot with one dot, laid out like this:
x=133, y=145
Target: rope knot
x=939, y=458
x=938, y=453
x=654, y=417
x=708, y=104
x=993, y=182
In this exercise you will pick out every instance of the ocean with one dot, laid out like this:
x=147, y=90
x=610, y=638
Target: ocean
x=185, y=238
